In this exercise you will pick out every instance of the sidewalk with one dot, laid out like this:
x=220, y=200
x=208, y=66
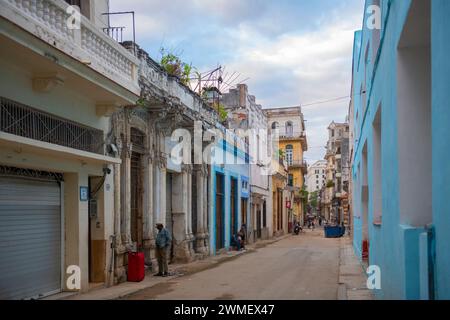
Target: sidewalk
x=178, y=270
x=352, y=276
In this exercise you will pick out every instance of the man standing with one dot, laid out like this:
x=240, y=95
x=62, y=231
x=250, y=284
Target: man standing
x=163, y=241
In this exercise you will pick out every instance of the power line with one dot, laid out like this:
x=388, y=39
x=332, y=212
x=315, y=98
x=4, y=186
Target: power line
x=331, y=100
x=325, y=101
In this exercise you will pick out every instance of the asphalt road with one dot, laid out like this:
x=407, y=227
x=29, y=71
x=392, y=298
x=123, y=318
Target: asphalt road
x=297, y=268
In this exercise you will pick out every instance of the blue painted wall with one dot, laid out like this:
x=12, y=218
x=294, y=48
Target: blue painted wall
x=235, y=165
x=395, y=246
x=441, y=143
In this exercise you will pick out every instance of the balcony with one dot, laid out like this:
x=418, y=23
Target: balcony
x=23, y=121
x=298, y=164
x=279, y=168
x=292, y=135
x=46, y=20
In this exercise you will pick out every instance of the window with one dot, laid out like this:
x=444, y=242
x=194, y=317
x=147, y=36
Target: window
x=289, y=155
x=289, y=129
x=414, y=109
x=291, y=180
x=74, y=2
x=332, y=133
x=376, y=36
x=377, y=174
x=275, y=125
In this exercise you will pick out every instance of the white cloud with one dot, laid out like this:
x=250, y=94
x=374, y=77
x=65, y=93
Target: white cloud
x=293, y=51
x=310, y=67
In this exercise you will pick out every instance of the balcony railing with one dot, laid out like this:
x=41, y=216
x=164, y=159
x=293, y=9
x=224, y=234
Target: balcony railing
x=48, y=21
x=298, y=164
x=24, y=121
x=292, y=135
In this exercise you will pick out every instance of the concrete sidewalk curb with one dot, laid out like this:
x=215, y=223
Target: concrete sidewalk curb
x=352, y=276
x=126, y=289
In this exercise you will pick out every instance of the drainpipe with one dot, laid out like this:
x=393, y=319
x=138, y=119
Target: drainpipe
x=111, y=264
x=431, y=260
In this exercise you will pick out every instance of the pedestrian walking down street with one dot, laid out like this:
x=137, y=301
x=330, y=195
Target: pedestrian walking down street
x=163, y=242
x=243, y=235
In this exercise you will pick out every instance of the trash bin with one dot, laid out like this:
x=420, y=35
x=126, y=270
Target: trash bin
x=333, y=232
x=136, y=266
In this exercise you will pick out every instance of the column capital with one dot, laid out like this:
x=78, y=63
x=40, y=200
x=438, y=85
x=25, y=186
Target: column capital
x=161, y=160
x=187, y=168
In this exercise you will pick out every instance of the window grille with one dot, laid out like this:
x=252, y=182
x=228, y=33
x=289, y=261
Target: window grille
x=24, y=121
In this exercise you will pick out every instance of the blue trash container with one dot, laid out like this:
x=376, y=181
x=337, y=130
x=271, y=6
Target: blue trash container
x=333, y=232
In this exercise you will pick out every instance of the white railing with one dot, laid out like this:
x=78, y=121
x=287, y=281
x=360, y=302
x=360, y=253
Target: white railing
x=47, y=20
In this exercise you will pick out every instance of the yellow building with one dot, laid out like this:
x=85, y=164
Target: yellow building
x=279, y=197
x=290, y=126
x=293, y=148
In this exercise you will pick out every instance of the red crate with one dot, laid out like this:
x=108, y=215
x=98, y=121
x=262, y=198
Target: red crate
x=136, y=267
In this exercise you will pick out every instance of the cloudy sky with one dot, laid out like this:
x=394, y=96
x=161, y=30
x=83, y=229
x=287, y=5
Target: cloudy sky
x=295, y=52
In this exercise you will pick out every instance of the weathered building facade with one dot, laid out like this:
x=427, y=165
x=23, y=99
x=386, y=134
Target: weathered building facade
x=316, y=178
x=289, y=125
x=59, y=84
x=230, y=191
x=401, y=120
x=248, y=116
x=153, y=186
x=337, y=174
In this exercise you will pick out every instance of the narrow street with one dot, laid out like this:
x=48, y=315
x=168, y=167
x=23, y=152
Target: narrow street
x=296, y=268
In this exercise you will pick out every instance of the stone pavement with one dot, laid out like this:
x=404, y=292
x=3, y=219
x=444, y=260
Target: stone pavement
x=352, y=276
x=127, y=288
x=309, y=253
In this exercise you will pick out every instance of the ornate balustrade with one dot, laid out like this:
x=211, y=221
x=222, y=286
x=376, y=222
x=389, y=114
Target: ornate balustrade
x=47, y=20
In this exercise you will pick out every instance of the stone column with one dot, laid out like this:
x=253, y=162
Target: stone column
x=180, y=211
x=149, y=240
x=201, y=204
x=162, y=188
x=206, y=206
x=189, y=234
x=159, y=191
x=125, y=221
x=119, y=269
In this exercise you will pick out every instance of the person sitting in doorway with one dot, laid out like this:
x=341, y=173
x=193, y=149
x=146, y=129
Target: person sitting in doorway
x=242, y=236
x=235, y=242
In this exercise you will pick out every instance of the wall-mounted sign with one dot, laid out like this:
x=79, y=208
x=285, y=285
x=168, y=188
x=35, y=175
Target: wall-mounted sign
x=84, y=193
x=288, y=204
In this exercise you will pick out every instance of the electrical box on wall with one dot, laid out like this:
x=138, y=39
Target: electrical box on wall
x=93, y=212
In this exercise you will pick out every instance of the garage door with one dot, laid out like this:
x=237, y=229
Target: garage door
x=30, y=238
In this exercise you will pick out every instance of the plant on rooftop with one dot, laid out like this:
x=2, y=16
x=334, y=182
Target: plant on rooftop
x=173, y=65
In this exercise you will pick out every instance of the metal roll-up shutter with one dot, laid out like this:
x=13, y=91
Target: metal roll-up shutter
x=30, y=238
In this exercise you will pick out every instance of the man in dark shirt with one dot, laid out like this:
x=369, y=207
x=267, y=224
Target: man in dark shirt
x=163, y=242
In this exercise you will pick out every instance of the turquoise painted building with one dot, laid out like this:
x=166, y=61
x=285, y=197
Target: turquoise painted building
x=230, y=192
x=401, y=120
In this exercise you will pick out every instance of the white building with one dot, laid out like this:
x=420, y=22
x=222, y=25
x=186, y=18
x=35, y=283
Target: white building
x=316, y=177
x=246, y=114
x=59, y=84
